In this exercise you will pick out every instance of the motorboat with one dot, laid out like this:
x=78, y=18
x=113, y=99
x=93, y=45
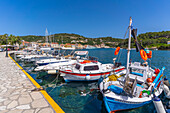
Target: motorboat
x=58, y=59
x=34, y=58
x=87, y=70
x=55, y=64
x=50, y=61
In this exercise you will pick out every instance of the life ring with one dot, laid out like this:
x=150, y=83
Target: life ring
x=117, y=50
x=143, y=55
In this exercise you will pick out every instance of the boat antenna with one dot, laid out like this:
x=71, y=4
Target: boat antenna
x=129, y=43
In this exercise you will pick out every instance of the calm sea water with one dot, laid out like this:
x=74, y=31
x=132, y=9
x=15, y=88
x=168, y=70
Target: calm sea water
x=82, y=97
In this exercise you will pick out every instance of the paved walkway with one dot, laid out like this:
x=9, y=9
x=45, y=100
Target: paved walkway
x=15, y=91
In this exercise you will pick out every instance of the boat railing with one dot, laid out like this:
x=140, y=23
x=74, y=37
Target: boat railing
x=65, y=67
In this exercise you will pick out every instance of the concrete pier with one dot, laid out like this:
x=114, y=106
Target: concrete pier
x=15, y=91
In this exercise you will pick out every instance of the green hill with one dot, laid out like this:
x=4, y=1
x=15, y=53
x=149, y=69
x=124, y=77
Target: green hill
x=149, y=39
x=73, y=38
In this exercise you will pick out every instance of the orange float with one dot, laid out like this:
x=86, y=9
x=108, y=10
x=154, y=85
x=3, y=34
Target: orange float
x=153, y=78
x=117, y=50
x=86, y=61
x=143, y=54
x=149, y=55
x=157, y=71
x=149, y=80
x=140, y=95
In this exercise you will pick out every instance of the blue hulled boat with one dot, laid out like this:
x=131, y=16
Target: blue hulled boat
x=137, y=87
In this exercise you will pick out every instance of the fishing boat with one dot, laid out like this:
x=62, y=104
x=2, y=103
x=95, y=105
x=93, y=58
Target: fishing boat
x=87, y=70
x=137, y=87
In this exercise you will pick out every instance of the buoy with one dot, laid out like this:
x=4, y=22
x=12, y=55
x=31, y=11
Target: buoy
x=167, y=91
x=153, y=78
x=87, y=77
x=149, y=80
x=149, y=55
x=117, y=50
x=140, y=95
x=157, y=71
x=143, y=55
x=52, y=72
x=158, y=105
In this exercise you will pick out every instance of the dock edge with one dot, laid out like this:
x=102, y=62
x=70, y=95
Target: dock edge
x=53, y=104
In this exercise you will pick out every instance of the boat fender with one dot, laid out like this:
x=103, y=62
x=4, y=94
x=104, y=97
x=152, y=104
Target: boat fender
x=140, y=95
x=149, y=80
x=153, y=78
x=87, y=77
x=149, y=55
x=52, y=72
x=158, y=105
x=157, y=71
x=143, y=55
x=62, y=74
x=117, y=50
x=166, y=91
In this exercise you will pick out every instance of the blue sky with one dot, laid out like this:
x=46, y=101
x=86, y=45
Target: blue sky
x=90, y=18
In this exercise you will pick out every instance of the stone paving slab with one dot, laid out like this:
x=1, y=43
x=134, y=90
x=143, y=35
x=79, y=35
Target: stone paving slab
x=15, y=91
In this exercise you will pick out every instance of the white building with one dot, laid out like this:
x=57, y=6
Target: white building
x=168, y=42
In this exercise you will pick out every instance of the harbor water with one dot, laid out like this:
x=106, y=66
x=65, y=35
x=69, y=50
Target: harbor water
x=84, y=97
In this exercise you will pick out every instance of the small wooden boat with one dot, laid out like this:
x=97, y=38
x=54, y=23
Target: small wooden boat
x=137, y=88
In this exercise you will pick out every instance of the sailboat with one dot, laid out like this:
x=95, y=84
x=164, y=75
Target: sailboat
x=139, y=85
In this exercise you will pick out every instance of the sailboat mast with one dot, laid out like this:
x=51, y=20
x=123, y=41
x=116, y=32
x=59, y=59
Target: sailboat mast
x=129, y=43
x=46, y=37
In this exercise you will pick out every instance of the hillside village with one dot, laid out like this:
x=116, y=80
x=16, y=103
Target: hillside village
x=152, y=40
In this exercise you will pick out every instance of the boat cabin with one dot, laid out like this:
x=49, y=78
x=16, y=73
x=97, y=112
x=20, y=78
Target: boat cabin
x=87, y=65
x=139, y=72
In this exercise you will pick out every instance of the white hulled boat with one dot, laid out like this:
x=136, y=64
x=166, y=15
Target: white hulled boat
x=55, y=64
x=87, y=70
x=136, y=88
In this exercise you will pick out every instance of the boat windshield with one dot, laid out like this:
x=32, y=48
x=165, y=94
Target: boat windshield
x=90, y=68
x=77, y=66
